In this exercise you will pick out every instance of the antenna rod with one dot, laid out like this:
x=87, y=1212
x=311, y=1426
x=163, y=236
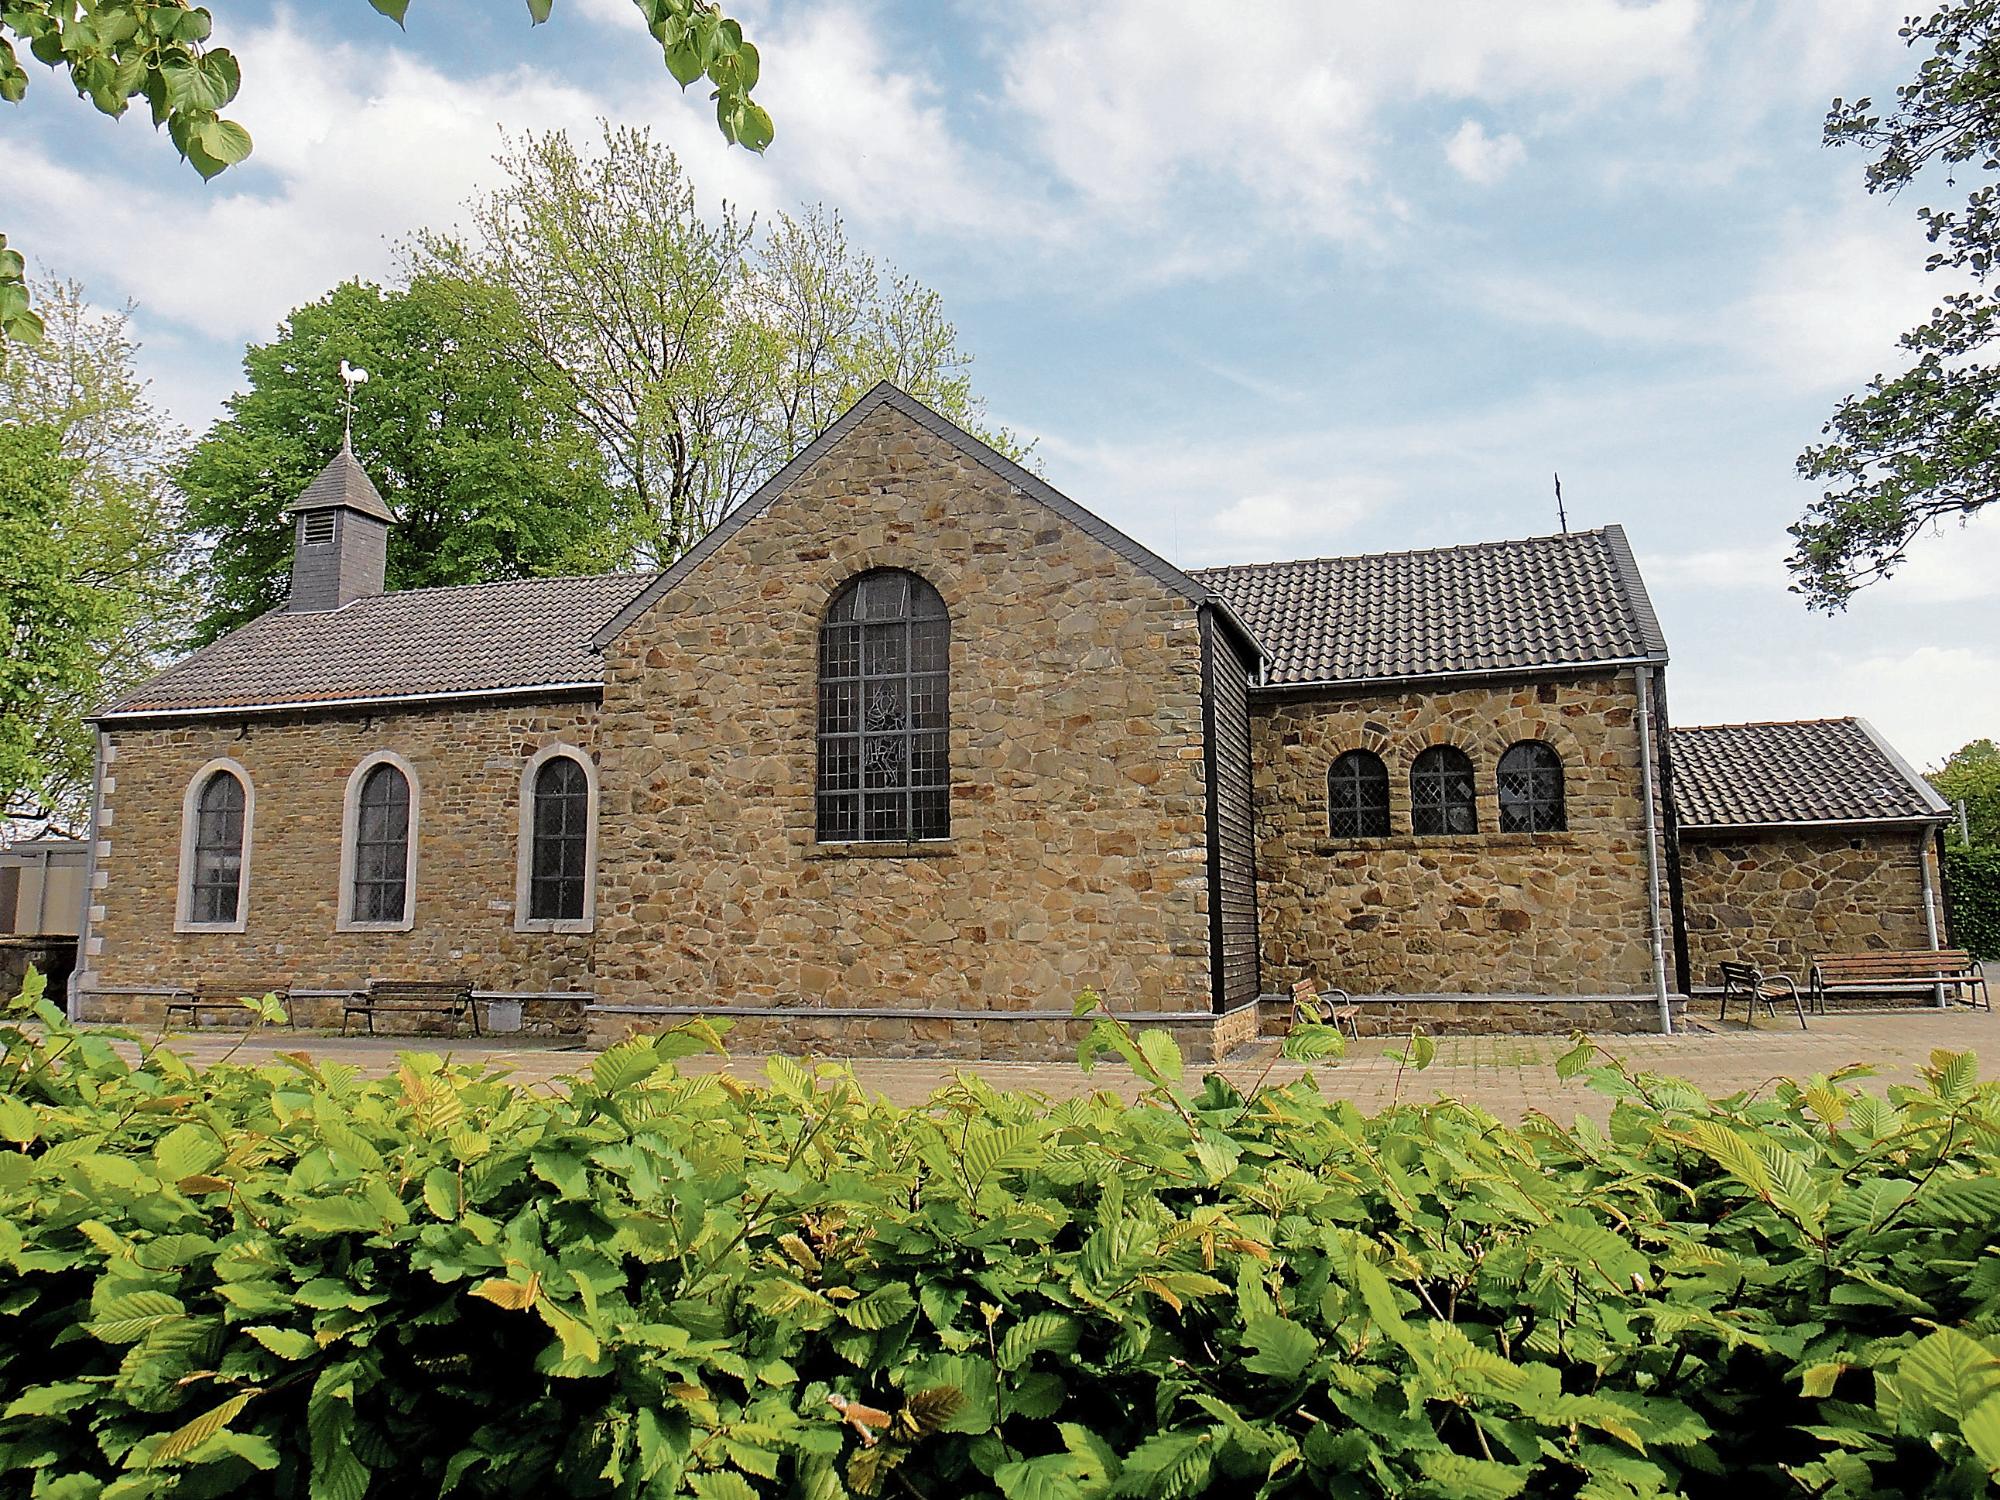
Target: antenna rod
x=1562, y=516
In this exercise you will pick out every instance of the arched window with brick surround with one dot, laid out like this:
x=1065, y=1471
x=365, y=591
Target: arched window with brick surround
x=378, y=854
x=1531, y=789
x=1443, y=795
x=1357, y=796
x=884, y=712
x=556, y=874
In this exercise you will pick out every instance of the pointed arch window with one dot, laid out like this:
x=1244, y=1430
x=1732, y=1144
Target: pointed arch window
x=1443, y=795
x=884, y=712
x=1357, y=797
x=1531, y=789
x=215, y=850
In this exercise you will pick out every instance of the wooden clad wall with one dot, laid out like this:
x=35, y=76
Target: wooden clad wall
x=1232, y=837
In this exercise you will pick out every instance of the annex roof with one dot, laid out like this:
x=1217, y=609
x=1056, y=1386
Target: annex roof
x=343, y=484
x=1493, y=607
x=524, y=635
x=1805, y=771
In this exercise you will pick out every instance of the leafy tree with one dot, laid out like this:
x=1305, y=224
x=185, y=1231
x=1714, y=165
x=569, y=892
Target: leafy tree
x=489, y=477
x=92, y=550
x=1971, y=774
x=702, y=356
x=1916, y=448
x=119, y=50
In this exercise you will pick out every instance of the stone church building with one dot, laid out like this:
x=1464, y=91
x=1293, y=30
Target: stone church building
x=913, y=749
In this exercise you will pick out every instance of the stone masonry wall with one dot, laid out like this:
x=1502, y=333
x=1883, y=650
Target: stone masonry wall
x=1780, y=899
x=1559, y=913
x=468, y=764
x=1076, y=855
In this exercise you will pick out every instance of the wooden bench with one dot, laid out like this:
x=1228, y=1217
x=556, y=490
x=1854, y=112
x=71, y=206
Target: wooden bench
x=1335, y=1008
x=438, y=997
x=1899, y=972
x=1750, y=984
x=228, y=995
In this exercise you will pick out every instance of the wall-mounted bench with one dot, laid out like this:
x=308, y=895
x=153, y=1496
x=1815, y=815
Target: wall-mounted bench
x=1944, y=970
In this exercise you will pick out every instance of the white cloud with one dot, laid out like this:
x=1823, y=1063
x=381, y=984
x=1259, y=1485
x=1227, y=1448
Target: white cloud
x=1482, y=158
x=1758, y=568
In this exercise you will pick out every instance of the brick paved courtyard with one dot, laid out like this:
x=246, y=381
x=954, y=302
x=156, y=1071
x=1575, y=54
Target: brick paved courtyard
x=1508, y=1076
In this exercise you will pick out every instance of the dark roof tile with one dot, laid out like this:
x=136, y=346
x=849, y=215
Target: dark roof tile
x=1552, y=601
x=1811, y=771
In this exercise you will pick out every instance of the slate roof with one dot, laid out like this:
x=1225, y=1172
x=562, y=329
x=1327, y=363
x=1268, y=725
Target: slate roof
x=1551, y=601
x=524, y=634
x=1809, y=771
x=343, y=483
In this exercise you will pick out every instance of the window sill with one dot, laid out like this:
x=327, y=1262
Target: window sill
x=885, y=849
x=403, y=926
x=1420, y=841
x=555, y=927
x=201, y=927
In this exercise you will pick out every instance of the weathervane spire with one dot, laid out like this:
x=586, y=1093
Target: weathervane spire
x=350, y=376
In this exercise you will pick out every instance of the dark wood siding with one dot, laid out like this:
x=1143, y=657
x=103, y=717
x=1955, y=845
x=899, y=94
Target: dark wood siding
x=1232, y=838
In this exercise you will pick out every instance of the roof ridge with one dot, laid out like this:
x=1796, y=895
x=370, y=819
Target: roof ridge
x=497, y=583
x=1300, y=562
x=1769, y=724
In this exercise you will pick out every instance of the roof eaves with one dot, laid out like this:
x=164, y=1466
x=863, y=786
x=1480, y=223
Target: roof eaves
x=1756, y=825
x=1532, y=669
x=379, y=700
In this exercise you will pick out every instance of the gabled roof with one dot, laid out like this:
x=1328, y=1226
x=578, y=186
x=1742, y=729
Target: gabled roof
x=1494, y=607
x=884, y=394
x=1808, y=771
x=343, y=484
x=529, y=634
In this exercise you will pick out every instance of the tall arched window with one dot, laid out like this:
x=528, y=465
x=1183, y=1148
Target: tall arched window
x=1531, y=789
x=884, y=720
x=216, y=856
x=559, y=861
x=1357, y=797
x=1443, y=798
x=378, y=863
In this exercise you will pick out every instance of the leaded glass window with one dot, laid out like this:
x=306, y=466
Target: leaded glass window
x=217, y=879
x=1357, y=797
x=1443, y=798
x=382, y=846
x=559, y=861
x=884, y=719
x=1531, y=789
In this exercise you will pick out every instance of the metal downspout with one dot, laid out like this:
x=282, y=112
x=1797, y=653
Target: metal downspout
x=1643, y=676
x=1924, y=840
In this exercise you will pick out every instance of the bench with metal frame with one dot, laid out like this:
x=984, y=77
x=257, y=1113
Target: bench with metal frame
x=1334, y=1007
x=445, y=997
x=228, y=995
x=1751, y=985
x=1898, y=972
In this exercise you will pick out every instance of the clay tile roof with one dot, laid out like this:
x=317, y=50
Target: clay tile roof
x=343, y=483
x=1550, y=601
x=523, y=634
x=1812, y=771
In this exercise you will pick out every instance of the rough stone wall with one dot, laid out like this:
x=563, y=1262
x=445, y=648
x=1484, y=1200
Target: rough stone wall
x=468, y=763
x=1076, y=855
x=1779, y=899
x=1558, y=913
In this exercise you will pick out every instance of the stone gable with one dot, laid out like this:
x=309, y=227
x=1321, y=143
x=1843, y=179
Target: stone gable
x=1077, y=849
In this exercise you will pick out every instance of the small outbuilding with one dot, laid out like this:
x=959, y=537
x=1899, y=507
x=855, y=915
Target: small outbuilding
x=1801, y=839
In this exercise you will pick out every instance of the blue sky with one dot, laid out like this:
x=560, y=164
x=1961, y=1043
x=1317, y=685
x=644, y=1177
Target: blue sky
x=1262, y=281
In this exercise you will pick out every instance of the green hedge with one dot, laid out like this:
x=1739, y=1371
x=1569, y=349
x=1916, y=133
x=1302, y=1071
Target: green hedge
x=1972, y=882
x=285, y=1280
